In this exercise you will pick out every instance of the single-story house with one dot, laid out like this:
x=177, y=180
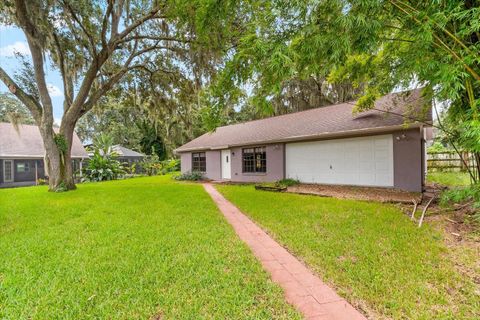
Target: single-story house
x=382, y=147
x=22, y=155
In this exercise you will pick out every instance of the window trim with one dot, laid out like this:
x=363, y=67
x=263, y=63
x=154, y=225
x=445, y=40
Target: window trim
x=202, y=166
x=255, y=171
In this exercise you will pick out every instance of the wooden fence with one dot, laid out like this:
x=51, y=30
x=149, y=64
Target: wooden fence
x=449, y=161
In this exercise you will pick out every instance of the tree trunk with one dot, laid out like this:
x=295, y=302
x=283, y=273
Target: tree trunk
x=57, y=162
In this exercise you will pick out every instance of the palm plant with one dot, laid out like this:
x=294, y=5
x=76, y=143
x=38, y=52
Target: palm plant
x=104, y=164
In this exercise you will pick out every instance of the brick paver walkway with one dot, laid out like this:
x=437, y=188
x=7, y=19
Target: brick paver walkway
x=302, y=288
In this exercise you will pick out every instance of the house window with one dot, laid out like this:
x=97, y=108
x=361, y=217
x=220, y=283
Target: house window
x=23, y=167
x=254, y=159
x=199, y=162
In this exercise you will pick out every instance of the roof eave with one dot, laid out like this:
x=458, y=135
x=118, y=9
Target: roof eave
x=325, y=135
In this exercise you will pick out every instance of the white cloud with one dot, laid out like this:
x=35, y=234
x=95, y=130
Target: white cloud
x=54, y=90
x=11, y=49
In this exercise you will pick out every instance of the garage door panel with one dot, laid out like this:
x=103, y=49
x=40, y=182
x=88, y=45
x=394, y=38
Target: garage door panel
x=367, y=179
x=356, y=161
x=381, y=166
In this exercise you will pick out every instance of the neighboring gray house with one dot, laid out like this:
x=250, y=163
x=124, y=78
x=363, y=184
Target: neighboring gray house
x=327, y=145
x=22, y=154
x=124, y=155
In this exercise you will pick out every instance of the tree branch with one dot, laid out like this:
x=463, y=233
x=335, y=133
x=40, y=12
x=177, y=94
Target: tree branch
x=30, y=102
x=443, y=44
x=105, y=23
x=84, y=29
x=67, y=79
x=116, y=15
x=34, y=40
x=156, y=38
x=151, y=15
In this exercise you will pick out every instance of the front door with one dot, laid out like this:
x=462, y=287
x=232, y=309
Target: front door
x=226, y=165
x=7, y=170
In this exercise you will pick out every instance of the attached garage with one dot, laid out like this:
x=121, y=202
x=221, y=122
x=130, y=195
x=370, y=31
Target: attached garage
x=364, y=161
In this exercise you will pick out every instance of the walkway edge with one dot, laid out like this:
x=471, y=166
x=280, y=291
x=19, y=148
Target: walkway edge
x=303, y=289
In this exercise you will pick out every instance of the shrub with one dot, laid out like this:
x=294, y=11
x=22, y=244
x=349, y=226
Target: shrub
x=170, y=165
x=463, y=195
x=279, y=185
x=438, y=147
x=101, y=168
x=189, y=176
x=131, y=169
x=287, y=182
x=457, y=195
x=41, y=182
x=151, y=164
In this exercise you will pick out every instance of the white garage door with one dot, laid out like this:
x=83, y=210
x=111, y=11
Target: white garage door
x=366, y=161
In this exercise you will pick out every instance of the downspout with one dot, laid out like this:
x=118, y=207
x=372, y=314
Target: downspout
x=81, y=167
x=423, y=156
x=36, y=172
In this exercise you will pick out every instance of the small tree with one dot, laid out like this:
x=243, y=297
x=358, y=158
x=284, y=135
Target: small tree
x=151, y=163
x=103, y=165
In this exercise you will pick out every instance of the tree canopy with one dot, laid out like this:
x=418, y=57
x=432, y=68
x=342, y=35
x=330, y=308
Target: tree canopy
x=94, y=44
x=13, y=111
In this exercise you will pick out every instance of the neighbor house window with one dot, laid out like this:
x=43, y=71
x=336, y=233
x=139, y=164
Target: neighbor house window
x=254, y=159
x=199, y=162
x=23, y=167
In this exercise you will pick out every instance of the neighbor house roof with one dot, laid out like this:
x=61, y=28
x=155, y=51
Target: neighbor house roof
x=121, y=151
x=125, y=152
x=392, y=111
x=27, y=142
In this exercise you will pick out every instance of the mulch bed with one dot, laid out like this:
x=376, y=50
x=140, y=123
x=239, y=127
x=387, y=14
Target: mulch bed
x=357, y=193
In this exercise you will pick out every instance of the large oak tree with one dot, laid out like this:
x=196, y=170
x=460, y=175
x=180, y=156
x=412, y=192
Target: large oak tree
x=93, y=45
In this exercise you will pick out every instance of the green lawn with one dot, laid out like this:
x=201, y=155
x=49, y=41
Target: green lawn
x=451, y=179
x=145, y=248
x=372, y=253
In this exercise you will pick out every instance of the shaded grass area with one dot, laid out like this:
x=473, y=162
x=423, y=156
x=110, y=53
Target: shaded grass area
x=451, y=179
x=371, y=252
x=145, y=248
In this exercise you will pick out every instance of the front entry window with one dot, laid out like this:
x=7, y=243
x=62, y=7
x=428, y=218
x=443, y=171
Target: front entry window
x=199, y=162
x=254, y=159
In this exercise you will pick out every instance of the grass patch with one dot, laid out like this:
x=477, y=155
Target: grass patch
x=145, y=248
x=370, y=252
x=451, y=179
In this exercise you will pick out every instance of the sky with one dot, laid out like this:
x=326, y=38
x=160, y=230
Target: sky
x=13, y=40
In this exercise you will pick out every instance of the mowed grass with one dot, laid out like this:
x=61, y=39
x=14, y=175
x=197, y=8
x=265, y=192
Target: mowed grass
x=451, y=179
x=371, y=252
x=145, y=248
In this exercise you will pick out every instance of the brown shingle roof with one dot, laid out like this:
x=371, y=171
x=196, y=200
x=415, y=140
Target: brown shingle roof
x=393, y=110
x=27, y=142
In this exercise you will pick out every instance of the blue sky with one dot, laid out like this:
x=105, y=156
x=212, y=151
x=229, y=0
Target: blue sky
x=13, y=40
